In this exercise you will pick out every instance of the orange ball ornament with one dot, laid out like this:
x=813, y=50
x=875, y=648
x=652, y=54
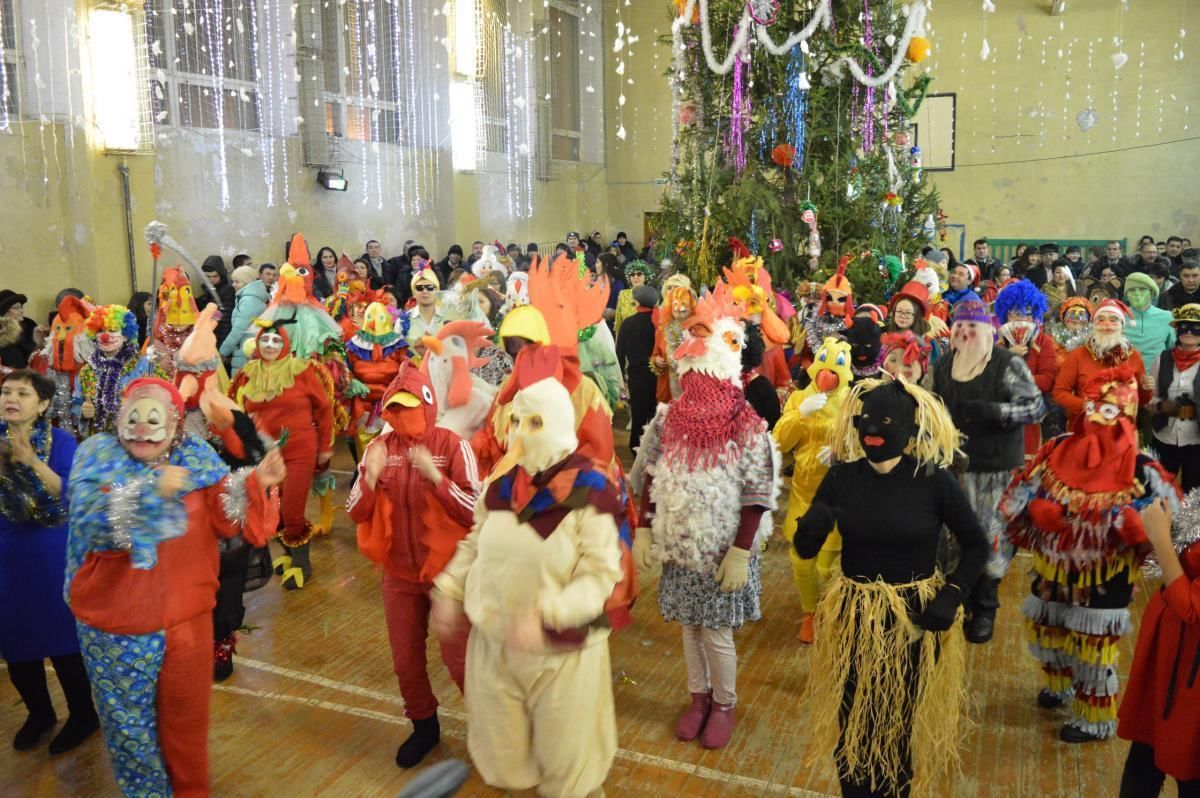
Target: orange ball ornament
x=919, y=49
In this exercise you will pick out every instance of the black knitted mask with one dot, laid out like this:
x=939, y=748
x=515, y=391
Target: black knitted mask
x=864, y=338
x=887, y=422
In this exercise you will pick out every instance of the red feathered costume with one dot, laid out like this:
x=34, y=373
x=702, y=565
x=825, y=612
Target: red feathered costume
x=288, y=394
x=410, y=524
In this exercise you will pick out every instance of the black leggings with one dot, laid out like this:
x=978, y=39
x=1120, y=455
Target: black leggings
x=1143, y=779
x=30, y=680
x=1176, y=458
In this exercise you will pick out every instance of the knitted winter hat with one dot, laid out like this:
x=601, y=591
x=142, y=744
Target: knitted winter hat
x=1140, y=280
x=971, y=309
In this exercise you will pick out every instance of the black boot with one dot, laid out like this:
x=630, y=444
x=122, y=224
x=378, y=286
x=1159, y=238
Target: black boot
x=984, y=601
x=1049, y=700
x=83, y=721
x=426, y=734
x=30, y=680
x=299, y=571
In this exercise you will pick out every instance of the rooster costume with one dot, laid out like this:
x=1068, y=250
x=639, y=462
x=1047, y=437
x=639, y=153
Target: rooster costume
x=174, y=319
x=314, y=335
x=804, y=430
x=282, y=391
x=374, y=355
x=68, y=348
x=141, y=580
x=678, y=303
x=831, y=316
x=708, y=473
x=1075, y=507
x=535, y=577
x=409, y=522
x=451, y=357
x=752, y=288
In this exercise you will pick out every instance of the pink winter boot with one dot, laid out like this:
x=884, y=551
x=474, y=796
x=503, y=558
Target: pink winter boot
x=692, y=721
x=719, y=728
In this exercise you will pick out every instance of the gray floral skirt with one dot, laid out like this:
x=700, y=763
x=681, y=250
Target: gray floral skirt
x=695, y=599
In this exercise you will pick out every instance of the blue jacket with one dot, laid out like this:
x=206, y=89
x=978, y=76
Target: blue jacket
x=1150, y=332
x=250, y=303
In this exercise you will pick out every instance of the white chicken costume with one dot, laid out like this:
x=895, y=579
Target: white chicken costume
x=805, y=429
x=534, y=577
x=463, y=399
x=708, y=474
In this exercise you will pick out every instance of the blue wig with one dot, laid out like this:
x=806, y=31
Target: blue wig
x=1023, y=297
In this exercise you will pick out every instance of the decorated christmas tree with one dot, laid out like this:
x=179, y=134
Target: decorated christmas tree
x=793, y=134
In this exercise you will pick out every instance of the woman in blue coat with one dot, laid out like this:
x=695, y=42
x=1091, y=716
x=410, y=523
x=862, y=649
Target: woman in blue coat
x=35, y=461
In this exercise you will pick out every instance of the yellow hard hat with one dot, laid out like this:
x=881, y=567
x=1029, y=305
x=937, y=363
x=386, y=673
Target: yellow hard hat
x=526, y=322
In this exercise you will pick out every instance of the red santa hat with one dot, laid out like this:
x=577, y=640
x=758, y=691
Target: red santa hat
x=1114, y=307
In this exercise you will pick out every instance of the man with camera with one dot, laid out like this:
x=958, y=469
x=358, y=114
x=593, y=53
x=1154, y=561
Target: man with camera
x=1176, y=386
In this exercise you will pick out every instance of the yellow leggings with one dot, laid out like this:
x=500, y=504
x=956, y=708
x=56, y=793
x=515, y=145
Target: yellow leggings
x=810, y=574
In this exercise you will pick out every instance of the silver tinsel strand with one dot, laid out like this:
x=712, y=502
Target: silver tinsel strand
x=234, y=499
x=124, y=509
x=1185, y=530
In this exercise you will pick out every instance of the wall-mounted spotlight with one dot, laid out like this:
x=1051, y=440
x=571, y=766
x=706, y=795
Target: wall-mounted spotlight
x=332, y=181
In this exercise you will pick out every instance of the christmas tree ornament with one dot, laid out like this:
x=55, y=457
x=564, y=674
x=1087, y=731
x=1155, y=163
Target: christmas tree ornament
x=919, y=49
x=775, y=247
x=783, y=155
x=808, y=215
x=764, y=12
x=1087, y=119
x=914, y=160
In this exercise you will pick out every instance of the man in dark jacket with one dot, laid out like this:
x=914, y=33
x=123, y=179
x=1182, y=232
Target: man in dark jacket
x=985, y=264
x=626, y=248
x=1186, y=291
x=214, y=269
x=991, y=395
x=635, y=345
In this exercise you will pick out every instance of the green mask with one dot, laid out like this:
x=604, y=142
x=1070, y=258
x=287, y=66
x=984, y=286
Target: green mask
x=1139, y=298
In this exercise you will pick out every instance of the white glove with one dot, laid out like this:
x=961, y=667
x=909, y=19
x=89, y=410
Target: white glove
x=642, y=539
x=734, y=571
x=813, y=403
x=825, y=456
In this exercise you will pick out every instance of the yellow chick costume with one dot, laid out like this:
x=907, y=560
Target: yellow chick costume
x=805, y=430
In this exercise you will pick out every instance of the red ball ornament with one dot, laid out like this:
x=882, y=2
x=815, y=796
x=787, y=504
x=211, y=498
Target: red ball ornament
x=783, y=155
x=775, y=246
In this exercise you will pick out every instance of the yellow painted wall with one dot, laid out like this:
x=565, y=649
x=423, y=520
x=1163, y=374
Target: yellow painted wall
x=636, y=164
x=1024, y=167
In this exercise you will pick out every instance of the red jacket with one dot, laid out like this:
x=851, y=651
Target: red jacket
x=1080, y=366
x=1042, y=361
x=412, y=536
x=109, y=594
x=1163, y=680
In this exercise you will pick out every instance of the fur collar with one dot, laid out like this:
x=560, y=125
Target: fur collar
x=10, y=331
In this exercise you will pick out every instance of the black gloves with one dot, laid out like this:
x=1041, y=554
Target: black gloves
x=980, y=411
x=812, y=528
x=941, y=610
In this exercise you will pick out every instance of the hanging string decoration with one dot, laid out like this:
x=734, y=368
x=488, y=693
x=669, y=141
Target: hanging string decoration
x=822, y=18
x=795, y=104
x=739, y=117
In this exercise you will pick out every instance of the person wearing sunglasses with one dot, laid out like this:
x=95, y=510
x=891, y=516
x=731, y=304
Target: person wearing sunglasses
x=427, y=317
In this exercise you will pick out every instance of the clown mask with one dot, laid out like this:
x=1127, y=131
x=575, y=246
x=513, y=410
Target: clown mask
x=270, y=345
x=147, y=425
x=110, y=342
x=1076, y=319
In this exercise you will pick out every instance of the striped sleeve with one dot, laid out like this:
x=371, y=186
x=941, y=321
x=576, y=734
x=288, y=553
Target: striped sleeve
x=459, y=491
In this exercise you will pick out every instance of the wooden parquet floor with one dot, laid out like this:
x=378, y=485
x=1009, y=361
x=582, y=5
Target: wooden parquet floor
x=312, y=708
